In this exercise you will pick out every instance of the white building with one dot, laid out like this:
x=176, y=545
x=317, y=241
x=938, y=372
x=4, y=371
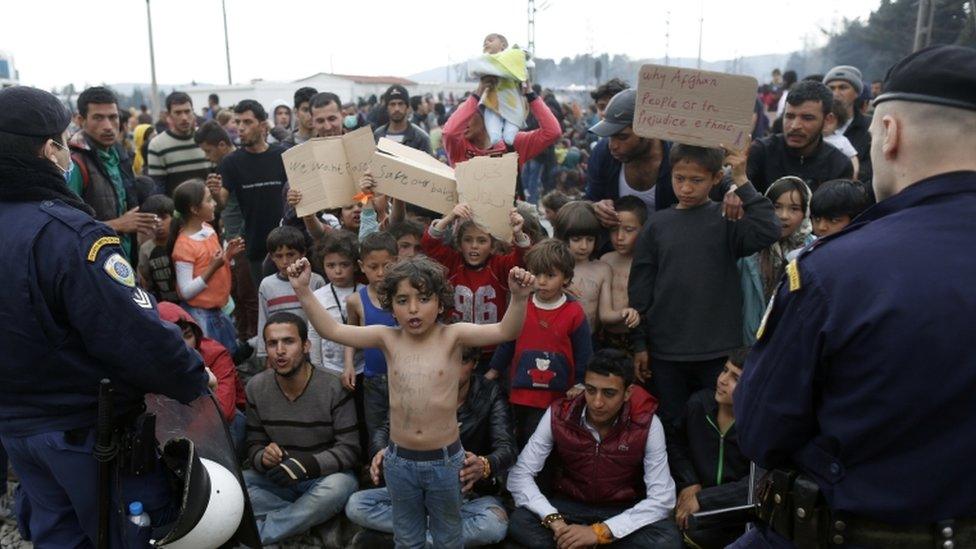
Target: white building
x=8, y=72
x=349, y=88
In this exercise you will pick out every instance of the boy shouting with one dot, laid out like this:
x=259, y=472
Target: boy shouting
x=423, y=462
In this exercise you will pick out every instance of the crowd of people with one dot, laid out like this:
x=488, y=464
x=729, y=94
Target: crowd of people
x=432, y=384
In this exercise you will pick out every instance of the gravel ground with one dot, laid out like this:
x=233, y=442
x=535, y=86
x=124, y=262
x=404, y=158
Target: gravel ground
x=9, y=537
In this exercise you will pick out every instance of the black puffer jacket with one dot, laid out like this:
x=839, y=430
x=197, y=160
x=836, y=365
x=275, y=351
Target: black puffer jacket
x=698, y=454
x=770, y=159
x=486, y=430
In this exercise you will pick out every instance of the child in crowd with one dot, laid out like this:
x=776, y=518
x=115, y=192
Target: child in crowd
x=503, y=107
x=762, y=271
x=703, y=452
x=835, y=204
x=791, y=202
x=547, y=360
x=377, y=254
x=286, y=245
x=229, y=390
x=552, y=202
x=477, y=274
x=578, y=226
x=632, y=213
x=573, y=184
x=424, y=459
x=408, y=234
x=836, y=119
x=531, y=225
x=684, y=279
x=202, y=266
x=347, y=217
x=337, y=253
x=155, y=265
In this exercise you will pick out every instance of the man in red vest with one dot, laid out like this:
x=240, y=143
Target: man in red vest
x=612, y=486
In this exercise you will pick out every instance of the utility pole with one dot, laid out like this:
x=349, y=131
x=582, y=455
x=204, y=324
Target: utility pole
x=531, y=45
x=223, y=6
x=923, y=24
x=701, y=24
x=152, y=65
x=667, y=38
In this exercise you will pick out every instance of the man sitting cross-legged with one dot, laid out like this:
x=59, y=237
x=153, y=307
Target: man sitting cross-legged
x=612, y=485
x=302, y=436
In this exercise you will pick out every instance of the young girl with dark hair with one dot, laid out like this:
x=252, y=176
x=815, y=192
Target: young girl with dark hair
x=203, y=276
x=761, y=272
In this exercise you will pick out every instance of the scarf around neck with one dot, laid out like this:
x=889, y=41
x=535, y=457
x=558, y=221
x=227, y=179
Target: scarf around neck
x=27, y=178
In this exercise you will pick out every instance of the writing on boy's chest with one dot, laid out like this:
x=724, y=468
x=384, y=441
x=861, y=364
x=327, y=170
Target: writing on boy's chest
x=419, y=370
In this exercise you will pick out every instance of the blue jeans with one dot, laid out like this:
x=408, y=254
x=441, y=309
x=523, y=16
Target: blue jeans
x=216, y=325
x=425, y=494
x=483, y=520
x=531, y=178
x=286, y=511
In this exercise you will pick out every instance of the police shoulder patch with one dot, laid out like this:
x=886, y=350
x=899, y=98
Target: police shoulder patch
x=793, y=275
x=765, y=317
x=142, y=299
x=99, y=244
x=119, y=270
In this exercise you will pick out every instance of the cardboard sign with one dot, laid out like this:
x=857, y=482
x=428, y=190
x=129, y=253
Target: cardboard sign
x=327, y=169
x=413, y=176
x=695, y=107
x=488, y=185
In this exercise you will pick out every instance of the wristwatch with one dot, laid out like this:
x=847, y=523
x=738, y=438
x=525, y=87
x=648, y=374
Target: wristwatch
x=486, y=472
x=551, y=518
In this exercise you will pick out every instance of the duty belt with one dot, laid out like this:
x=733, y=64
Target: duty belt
x=792, y=505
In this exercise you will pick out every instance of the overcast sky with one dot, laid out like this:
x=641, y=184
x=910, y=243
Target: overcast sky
x=55, y=42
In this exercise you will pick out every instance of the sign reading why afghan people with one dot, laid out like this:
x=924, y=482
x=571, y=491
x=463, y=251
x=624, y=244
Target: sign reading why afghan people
x=695, y=107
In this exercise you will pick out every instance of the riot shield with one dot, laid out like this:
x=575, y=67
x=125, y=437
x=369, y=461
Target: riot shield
x=200, y=422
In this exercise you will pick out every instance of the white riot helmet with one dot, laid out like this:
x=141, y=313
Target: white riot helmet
x=211, y=504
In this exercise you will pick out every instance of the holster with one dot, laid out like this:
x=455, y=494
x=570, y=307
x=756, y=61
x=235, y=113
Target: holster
x=775, y=501
x=810, y=516
x=793, y=506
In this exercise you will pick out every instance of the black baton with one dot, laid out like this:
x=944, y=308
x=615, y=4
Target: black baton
x=104, y=452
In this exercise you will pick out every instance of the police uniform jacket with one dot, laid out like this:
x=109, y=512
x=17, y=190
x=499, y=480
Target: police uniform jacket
x=864, y=375
x=71, y=314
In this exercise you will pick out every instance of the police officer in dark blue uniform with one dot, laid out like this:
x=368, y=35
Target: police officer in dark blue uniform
x=71, y=314
x=864, y=376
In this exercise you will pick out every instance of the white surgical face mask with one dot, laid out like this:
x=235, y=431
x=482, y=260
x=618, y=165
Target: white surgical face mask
x=63, y=160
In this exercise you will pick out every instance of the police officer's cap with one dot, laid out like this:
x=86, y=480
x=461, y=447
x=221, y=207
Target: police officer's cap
x=32, y=112
x=939, y=75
